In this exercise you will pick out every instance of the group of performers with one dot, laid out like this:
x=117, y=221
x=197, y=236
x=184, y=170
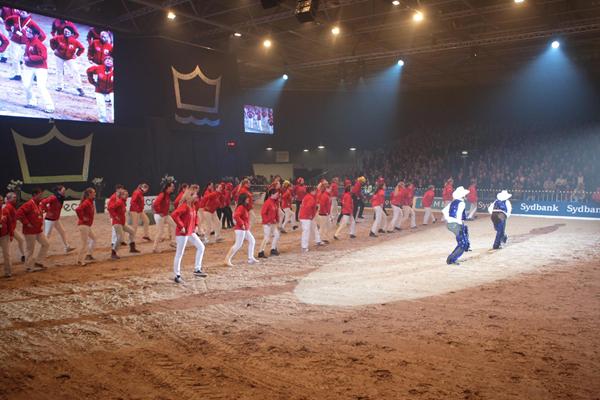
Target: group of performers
x=23, y=41
x=198, y=218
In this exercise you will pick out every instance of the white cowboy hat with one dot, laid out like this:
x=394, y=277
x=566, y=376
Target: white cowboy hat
x=459, y=193
x=503, y=195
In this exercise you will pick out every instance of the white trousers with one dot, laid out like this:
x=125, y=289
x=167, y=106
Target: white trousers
x=16, y=53
x=335, y=210
x=182, y=241
x=30, y=240
x=135, y=222
x=117, y=235
x=289, y=217
x=324, y=224
x=428, y=216
x=101, y=100
x=396, y=218
x=309, y=225
x=88, y=240
x=270, y=231
x=347, y=219
x=42, y=78
x=240, y=236
x=378, y=223
x=50, y=225
x=70, y=67
x=408, y=212
x=161, y=222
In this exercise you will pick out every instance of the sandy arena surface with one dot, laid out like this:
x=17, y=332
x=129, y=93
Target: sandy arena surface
x=368, y=318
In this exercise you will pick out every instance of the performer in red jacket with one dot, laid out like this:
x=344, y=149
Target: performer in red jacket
x=85, y=219
x=308, y=211
x=270, y=222
x=100, y=48
x=117, y=210
x=35, y=65
x=136, y=211
x=6, y=235
x=472, y=200
x=66, y=50
x=396, y=202
x=102, y=78
x=59, y=25
x=286, y=206
x=447, y=193
x=226, y=214
x=186, y=220
x=241, y=217
x=212, y=201
x=16, y=25
x=428, y=198
x=52, y=207
x=334, y=192
x=299, y=193
x=10, y=203
x=377, y=202
x=347, y=213
x=324, y=218
x=407, y=205
x=357, y=197
x=161, y=206
x=31, y=216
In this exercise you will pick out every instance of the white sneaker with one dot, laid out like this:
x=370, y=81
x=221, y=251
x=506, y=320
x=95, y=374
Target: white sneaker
x=253, y=261
x=229, y=263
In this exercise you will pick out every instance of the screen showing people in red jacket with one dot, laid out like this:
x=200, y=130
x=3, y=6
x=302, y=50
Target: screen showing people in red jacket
x=45, y=61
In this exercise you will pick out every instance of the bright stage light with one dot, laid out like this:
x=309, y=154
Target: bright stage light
x=267, y=43
x=285, y=77
x=171, y=15
x=519, y=1
x=396, y=2
x=352, y=148
x=269, y=148
x=321, y=147
x=335, y=30
x=401, y=63
x=237, y=34
x=305, y=150
x=418, y=16
x=555, y=44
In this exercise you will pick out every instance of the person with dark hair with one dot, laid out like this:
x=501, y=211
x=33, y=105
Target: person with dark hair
x=377, y=202
x=85, y=219
x=357, y=197
x=347, y=213
x=270, y=222
x=136, y=211
x=52, y=207
x=241, y=217
x=299, y=193
x=117, y=211
x=31, y=216
x=308, y=211
x=9, y=209
x=59, y=25
x=161, y=207
x=16, y=25
x=212, y=201
x=186, y=220
x=226, y=214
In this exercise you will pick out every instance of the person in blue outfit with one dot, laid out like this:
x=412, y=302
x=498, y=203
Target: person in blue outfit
x=455, y=216
x=500, y=210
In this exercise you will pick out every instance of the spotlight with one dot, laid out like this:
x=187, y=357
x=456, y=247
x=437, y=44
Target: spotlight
x=352, y=148
x=418, y=16
x=305, y=150
x=519, y=1
x=555, y=44
x=237, y=34
x=306, y=10
x=396, y=2
x=171, y=15
x=269, y=148
x=335, y=30
x=465, y=153
x=267, y=43
x=321, y=147
x=401, y=63
x=285, y=77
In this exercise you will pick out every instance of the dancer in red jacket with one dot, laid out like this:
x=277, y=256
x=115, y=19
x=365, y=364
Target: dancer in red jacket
x=10, y=204
x=308, y=211
x=212, y=201
x=241, y=217
x=377, y=202
x=100, y=48
x=85, y=219
x=428, y=198
x=116, y=210
x=102, y=77
x=161, y=206
x=407, y=205
x=137, y=213
x=52, y=207
x=270, y=222
x=286, y=205
x=31, y=216
x=299, y=193
x=16, y=25
x=396, y=199
x=66, y=50
x=36, y=66
x=347, y=213
x=324, y=218
x=334, y=192
x=186, y=220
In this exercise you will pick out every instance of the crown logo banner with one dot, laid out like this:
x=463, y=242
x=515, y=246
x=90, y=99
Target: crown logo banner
x=212, y=108
x=22, y=141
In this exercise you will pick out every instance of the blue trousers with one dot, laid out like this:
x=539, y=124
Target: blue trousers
x=462, y=241
x=499, y=221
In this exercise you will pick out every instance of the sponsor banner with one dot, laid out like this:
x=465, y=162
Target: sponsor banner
x=438, y=203
x=68, y=208
x=556, y=209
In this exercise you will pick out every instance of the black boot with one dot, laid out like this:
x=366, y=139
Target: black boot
x=274, y=252
x=113, y=255
x=132, y=248
x=261, y=254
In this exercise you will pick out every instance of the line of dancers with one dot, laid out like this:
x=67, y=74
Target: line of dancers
x=198, y=219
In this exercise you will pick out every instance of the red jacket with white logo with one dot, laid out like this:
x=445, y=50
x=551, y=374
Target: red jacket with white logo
x=137, y=201
x=116, y=210
x=102, y=78
x=347, y=204
x=67, y=48
x=161, y=204
x=98, y=50
x=428, y=198
x=36, y=55
x=324, y=203
x=212, y=201
x=308, y=208
x=85, y=212
x=52, y=207
x=185, y=217
x=31, y=216
x=269, y=212
x=16, y=25
x=242, y=218
x=378, y=198
x=9, y=220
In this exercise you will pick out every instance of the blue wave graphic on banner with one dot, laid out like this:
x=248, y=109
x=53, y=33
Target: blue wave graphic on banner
x=199, y=122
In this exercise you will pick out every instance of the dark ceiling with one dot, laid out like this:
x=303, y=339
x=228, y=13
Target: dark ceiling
x=459, y=42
